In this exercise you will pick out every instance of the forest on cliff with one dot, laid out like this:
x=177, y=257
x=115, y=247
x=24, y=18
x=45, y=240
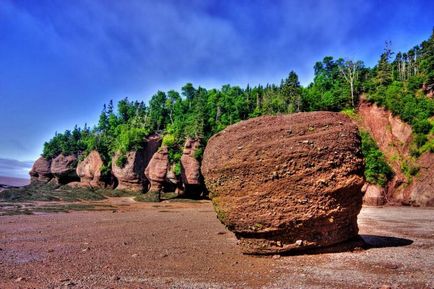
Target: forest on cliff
x=402, y=82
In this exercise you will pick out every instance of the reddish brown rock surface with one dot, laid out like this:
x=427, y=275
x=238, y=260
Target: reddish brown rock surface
x=89, y=170
x=287, y=183
x=189, y=164
x=394, y=137
x=156, y=170
x=190, y=169
x=421, y=190
x=130, y=175
x=374, y=195
x=153, y=142
x=64, y=168
x=41, y=171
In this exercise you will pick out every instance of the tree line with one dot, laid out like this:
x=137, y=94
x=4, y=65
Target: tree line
x=399, y=84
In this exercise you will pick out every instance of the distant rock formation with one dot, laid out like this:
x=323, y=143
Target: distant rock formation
x=393, y=137
x=421, y=190
x=190, y=168
x=41, y=171
x=156, y=172
x=130, y=174
x=374, y=195
x=284, y=183
x=64, y=169
x=89, y=170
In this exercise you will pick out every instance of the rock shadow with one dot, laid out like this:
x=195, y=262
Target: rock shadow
x=374, y=241
x=359, y=243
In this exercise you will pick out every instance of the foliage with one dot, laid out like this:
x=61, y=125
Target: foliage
x=198, y=153
x=377, y=171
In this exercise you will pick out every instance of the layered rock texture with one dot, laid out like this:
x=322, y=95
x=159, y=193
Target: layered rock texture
x=190, y=167
x=64, y=168
x=394, y=137
x=89, y=170
x=130, y=174
x=41, y=171
x=156, y=172
x=287, y=183
x=421, y=190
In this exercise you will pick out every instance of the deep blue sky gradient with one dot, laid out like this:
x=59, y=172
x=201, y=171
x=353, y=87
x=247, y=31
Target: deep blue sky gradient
x=60, y=61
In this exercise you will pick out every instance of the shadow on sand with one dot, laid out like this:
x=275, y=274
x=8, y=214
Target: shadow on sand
x=374, y=241
x=359, y=243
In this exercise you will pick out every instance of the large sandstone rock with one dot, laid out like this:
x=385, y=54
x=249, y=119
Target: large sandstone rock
x=156, y=172
x=190, y=168
x=89, y=170
x=64, y=169
x=130, y=174
x=283, y=183
x=41, y=171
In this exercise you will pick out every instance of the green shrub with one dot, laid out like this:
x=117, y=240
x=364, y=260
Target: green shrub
x=422, y=126
x=198, y=154
x=177, y=168
x=377, y=171
x=169, y=140
x=121, y=161
x=409, y=169
x=420, y=140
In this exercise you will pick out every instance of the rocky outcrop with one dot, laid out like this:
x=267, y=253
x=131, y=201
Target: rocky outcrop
x=394, y=137
x=421, y=190
x=130, y=176
x=129, y=172
x=374, y=195
x=156, y=172
x=89, y=170
x=41, y=171
x=190, y=168
x=283, y=183
x=64, y=169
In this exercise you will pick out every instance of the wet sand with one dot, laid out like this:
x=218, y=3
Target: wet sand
x=183, y=245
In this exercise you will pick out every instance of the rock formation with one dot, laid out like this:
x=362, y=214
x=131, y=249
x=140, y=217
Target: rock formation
x=190, y=168
x=89, y=170
x=394, y=137
x=156, y=172
x=64, y=169
x=374, y=195
x=421, y=190
x=41, y=171
x=173, y=183
x=283, y=183
x=130, y=174
x=153, y=143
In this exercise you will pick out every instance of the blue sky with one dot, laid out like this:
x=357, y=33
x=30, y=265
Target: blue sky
x=60, y=61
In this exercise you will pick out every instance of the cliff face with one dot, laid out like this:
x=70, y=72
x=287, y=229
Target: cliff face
x=393, y=137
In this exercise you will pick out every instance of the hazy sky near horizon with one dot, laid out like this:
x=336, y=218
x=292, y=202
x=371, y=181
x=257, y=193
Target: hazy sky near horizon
x=60, y=61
